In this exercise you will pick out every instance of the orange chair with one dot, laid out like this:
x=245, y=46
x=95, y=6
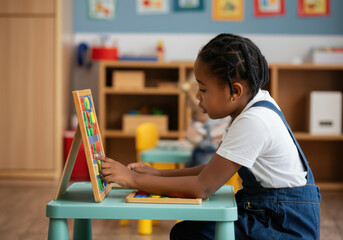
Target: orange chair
x=236, y=182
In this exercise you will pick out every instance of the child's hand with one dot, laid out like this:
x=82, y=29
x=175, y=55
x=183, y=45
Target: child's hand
x=143, y=168
x=114, y=171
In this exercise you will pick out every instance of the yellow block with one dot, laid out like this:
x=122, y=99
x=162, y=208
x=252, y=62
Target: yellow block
x=97, y=169
x=155, y=196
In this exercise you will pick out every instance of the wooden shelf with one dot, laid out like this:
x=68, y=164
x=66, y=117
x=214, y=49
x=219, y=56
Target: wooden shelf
x=303, y=136
x=145, y=91
x=290, y=86
x=123, y=134
x=160, y=90
x=307, y=66
x=147, y=64
x=330, y=186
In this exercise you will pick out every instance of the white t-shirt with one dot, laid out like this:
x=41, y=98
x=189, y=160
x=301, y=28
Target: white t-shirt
x=259, y=140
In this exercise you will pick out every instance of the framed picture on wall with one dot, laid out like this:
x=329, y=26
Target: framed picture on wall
x=267, y=8
x=188, y=5
x=101, y=9
x=228, y=10
x=152, y=6
x=313, y=8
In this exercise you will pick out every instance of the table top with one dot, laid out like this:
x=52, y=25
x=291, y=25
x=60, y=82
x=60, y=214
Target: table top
x=166, y=155
x=78, y=202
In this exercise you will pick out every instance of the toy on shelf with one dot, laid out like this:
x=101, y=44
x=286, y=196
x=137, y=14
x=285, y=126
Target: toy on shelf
x=324, y=55
x=156, y=55
x=128, y=79
x=107, y=50
x=145, y=110
x=160, y=51
x=134, y=118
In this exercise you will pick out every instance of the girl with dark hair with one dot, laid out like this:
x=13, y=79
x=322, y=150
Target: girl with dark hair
x=279, y=199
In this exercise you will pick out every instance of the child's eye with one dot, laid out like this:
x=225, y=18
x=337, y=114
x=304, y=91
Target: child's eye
x=202, y=90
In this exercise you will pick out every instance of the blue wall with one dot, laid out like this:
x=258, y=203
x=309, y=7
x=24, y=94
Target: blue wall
x=127, y=21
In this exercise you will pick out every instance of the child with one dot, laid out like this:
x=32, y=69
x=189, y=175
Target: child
x=206, y=137
x=279, y=199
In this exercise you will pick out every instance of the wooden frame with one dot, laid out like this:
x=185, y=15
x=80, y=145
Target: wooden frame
x=307, y=8
x=101, y=9
x=184, y=5
x=152, y=6
x=269, y=8
x=229, y=10
x=89, y=132
x=131, y=199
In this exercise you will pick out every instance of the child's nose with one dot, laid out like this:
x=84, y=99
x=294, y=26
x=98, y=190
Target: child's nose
x=197, y=95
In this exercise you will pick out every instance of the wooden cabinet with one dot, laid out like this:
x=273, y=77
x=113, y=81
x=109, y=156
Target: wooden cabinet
x=160, y=90
x=27, y=7
x=290, y=85
x=34, y=70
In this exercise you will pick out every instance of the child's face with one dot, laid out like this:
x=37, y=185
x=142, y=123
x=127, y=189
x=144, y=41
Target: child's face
x=214, y=97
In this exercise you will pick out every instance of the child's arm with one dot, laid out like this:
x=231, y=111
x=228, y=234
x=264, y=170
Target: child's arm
x=143, y=168
x=212, y=176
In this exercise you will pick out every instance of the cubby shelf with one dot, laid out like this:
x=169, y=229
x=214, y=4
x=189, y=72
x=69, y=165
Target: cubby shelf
x=160, y=90
x=289, y=85
x=145, y=91
x=123, y=134
x=304, y=136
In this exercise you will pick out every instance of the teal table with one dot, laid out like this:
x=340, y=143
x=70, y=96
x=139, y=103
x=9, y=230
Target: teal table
x=163, y=155
x=78, y=204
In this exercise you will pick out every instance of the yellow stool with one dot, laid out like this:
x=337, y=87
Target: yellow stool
x=147, y=137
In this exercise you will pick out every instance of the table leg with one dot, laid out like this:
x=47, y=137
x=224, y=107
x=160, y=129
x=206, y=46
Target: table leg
x=82, y=229
x=58, y=229
x=225, y=230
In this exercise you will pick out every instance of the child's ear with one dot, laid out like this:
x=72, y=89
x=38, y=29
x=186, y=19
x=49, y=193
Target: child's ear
x=237, y=90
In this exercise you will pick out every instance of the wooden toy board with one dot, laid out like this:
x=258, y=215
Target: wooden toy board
x=142, y=197
x=89, y=130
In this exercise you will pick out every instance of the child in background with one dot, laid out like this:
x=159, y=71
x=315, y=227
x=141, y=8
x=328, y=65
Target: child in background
x=279, y=199
x=205, y=136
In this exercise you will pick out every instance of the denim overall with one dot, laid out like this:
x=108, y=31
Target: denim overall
x=266, y=213
x=283, y=213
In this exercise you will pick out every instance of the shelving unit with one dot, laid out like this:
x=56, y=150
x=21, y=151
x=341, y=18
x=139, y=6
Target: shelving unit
x=160, y=90
x=289, y=85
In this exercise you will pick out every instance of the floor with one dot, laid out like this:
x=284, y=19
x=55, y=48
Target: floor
x=23, y=217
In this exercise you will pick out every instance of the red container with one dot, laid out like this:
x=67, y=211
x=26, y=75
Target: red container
x=80, y=170
x=104, y=53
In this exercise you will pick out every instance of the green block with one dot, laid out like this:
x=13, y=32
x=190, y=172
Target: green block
x=84, y=116
x=85, y=103
x=100, y=184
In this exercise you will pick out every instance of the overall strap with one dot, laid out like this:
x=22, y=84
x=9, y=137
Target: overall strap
x=271, y=106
